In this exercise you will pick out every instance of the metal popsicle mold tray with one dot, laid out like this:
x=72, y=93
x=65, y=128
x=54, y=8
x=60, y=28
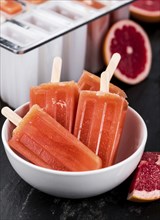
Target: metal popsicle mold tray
x=41, y=23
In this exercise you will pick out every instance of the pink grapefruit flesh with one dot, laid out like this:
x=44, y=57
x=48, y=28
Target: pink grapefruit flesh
x=146, y=181
x=130, y=40
x=146, y=10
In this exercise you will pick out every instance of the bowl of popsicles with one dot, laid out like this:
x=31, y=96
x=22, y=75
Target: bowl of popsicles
x=75, y=140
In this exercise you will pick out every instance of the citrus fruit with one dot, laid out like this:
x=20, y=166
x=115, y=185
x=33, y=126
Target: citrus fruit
x=146, y=181
x=131, y=42
x=146, y=10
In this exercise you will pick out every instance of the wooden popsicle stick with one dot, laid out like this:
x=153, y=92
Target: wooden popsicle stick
x=104, y=82
x=56, y=69
x=112, y=66
x=108, y=73
x=11, y=115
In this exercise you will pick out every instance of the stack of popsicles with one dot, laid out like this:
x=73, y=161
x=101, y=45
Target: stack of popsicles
x=101, y=114
x=58, y=109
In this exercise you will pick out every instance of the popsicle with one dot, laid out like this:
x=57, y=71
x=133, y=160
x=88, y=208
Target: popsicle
x=40, y=139
x=35, y=1
x=59, y=99
x=100, y=118
x=92, y=3
x=89, y=81
x=10, y=6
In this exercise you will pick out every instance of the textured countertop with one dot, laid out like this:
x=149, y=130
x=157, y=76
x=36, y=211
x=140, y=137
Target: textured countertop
x=18, y=200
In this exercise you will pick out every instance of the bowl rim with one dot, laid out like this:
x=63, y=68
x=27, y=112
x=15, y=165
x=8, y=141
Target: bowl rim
x=75, y=173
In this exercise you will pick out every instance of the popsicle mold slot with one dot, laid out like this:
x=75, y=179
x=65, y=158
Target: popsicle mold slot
x=67, y=11
x=17, y=35
x=43, y=141
x=39, y=21
x=18, y=23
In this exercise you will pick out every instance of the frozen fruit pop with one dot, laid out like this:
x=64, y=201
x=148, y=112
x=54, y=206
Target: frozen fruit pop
x=35, y=1
x=59, y=99
x=99, y=123
x=100, y=119
x=89, y=81
x=92, y=3
x=43, y=141
x=10, y=7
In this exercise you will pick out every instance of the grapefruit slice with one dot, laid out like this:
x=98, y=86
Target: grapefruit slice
x=146, y=181
x=148, y=10
x=130, y=40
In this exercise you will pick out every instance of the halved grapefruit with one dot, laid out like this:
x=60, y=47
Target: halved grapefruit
x=146, y=10
x=145, y=186
x=130, y=40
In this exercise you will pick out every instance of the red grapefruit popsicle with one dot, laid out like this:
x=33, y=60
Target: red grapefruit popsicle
x=35, y=1
x=89, y=81
x=92, y=3
x=100, y=118
x=58, y=99
x=40, y=139
x=10, y=6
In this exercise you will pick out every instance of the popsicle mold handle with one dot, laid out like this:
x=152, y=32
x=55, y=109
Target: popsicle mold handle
x=56, y=69
x=108, y=73
x=11, y=115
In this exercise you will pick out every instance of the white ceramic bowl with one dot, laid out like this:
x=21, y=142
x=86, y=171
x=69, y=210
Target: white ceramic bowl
x=88, y=183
